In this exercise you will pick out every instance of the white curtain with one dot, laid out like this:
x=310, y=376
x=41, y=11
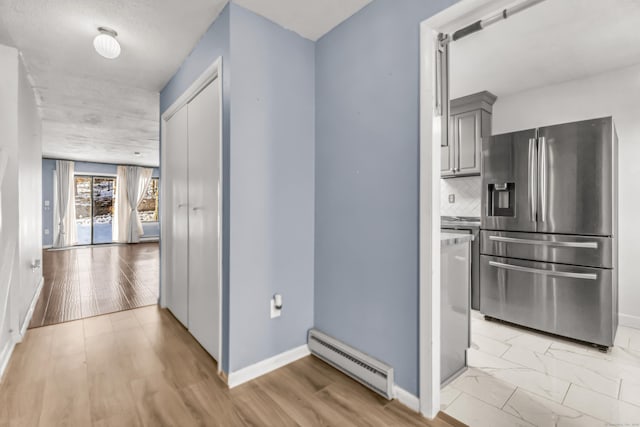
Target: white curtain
x=131, y=185
x=65, y=232
x=120, y=207
x=138, y=180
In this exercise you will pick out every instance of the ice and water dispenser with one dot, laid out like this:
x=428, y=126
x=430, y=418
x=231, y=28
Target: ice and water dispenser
x=502, y=199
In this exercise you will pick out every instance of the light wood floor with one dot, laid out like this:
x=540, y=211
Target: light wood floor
x=88, y=281
x=141, y=367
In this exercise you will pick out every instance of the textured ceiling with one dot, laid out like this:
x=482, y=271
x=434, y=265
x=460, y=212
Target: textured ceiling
x=93, y=108
x=553, y=42
x=311, y=19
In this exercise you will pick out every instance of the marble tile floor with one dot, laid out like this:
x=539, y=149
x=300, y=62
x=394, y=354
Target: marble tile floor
x=517, y=377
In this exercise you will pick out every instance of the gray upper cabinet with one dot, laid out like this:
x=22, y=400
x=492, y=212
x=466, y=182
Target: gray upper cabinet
x=470, y=121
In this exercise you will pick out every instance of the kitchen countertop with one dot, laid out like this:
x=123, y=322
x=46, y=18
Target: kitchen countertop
x=448, y=221
x=448, y=239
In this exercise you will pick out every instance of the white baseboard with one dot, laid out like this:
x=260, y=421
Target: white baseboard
x=149, y=239
x=264, y=367
x=407, y=399
x=268, y=365
x=629, y=320
x=5, y=356
x=47, y=246
x=32, y=307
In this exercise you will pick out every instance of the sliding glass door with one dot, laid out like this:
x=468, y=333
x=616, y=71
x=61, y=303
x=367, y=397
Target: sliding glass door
x=104, y=192
x=83, y=209
x=94, y=209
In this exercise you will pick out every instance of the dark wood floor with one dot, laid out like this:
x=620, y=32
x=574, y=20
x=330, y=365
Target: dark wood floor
x=89, y=281
x=142, y=368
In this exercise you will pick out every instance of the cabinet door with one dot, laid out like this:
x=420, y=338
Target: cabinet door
x=468, y=140
x=447, y=155
x=205, y=218
x=176, y=216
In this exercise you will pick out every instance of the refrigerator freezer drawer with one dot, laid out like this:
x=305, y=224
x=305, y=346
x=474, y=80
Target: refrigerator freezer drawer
x=575, y=302
x=555, y=248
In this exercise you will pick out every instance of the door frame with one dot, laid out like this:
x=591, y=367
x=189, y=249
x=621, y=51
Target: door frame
x=447, y=21
x=211, y=75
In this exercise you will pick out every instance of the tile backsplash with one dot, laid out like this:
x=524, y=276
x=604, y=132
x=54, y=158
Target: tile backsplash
x=467, y=192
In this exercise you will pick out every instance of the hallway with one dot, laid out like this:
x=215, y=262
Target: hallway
x=89, y=281
x=141, y=367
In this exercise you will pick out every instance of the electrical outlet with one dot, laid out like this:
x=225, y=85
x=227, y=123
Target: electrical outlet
x=275, y=312
x=46, y=231
x=452, y=198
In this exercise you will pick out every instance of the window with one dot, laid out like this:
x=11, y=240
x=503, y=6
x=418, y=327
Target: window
x=148, y=207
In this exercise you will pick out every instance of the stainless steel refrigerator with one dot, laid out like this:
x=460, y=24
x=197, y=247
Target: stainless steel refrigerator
x=549, y=229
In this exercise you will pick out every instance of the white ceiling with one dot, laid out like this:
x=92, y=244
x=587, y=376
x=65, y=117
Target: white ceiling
x=311, y=19
x=553, y=42
x=93, y=108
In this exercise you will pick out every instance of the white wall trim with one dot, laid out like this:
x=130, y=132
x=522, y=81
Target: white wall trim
x=629, y=320
x=47, y=246
x=5, y=356
x=212, y=72
x=429, y=254
x=268, y=365
x=407, y=399
x=32, y=307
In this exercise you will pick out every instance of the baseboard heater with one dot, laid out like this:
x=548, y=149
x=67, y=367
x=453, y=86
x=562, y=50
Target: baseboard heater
x=363, y=368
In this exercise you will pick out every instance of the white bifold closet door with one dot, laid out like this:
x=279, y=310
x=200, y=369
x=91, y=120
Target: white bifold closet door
x=176, y=215
x=204, y=217
x=193, y=218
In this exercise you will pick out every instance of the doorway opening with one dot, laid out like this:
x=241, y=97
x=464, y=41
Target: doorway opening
x=96, y=273
x=577, y=92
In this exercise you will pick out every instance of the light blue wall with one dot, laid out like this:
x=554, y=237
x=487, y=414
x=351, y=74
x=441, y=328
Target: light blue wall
x=268, y=149
x=151, y=229
x=272, y=185
x=356, y=184
x=213, y=44
x=366, y=229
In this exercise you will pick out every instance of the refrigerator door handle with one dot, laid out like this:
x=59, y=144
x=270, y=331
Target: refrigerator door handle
x=542, y=177
x=584, y=245
x=533, y=182
x=584, y=276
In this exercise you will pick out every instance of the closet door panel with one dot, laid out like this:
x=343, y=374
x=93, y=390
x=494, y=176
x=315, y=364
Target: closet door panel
x=176, y=243
x=204, y=218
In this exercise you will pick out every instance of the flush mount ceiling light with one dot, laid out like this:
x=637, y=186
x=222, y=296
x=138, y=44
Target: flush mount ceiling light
x=106, y=44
